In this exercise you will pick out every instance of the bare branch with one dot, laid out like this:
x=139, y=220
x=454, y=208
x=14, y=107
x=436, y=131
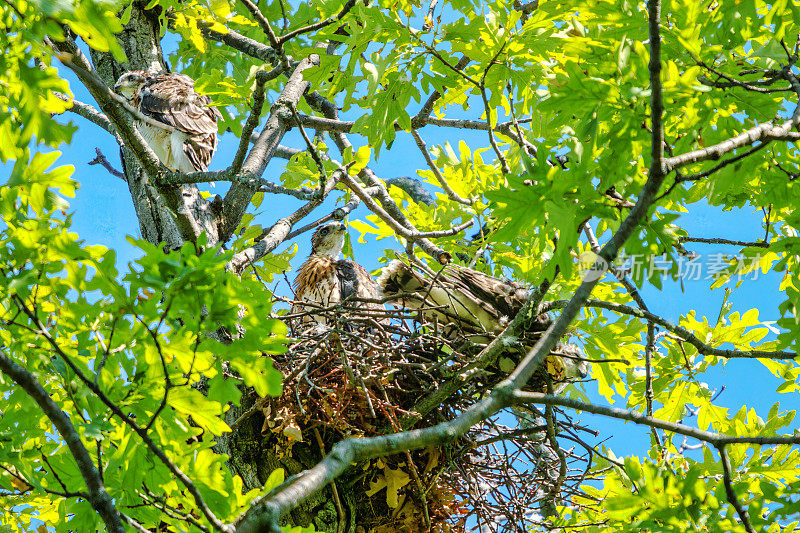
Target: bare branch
x=244, y=44
x=280, y=230
x=684, y=334
x=422, y=116
x=252, y=120
x=488, y=111
x=371, y=180
x=638, y=418
x=411, y=235
x=318, y=25
x=90, y=113
x=102, y=161
x=767, y=131
x=720, y=166
x=266, y=27
x=428, y=26
x=714, y=240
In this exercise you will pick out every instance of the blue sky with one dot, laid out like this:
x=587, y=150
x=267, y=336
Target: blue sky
x=104, y=214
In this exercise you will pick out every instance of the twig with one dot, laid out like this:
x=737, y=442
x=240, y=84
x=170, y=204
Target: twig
x=729, y=492
x=436, y=172
x=102, y=161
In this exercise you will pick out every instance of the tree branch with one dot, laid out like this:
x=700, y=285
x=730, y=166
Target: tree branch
x=252, y=120
x=98, y=497
x=279, y=232
x=763, y=132
x=684, y=334
x=436, y=172
x=372, y=181
x=243, y=44
x=265, y=511
x=411, y=235
x=716, y=439
x=241, y=192
x=318, y=25
x=157, y=451
x=729, y=492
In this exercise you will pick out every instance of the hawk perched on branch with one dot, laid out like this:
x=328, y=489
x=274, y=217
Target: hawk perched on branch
x=325, y=280
x=479, y=307
x=170, y=99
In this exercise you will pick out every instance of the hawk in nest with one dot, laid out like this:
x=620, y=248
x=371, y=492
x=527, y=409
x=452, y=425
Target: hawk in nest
x=325, y=279
x=478, y=307
x=170, y=99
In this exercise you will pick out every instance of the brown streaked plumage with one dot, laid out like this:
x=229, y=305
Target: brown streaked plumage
x=325, y=280
x=477, y=306
x=171, y=99
x=472, y=299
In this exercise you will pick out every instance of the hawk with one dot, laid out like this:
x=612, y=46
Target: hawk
x=477, y=306
x=170, y=99
x=325, y=279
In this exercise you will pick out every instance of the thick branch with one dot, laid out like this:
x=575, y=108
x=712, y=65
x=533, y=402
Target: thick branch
x=241, y=192
x=761, y=133
x=98, y=497
x=243, y=44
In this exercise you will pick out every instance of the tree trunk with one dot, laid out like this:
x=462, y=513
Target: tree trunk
x=140, y=39
x=251, y=455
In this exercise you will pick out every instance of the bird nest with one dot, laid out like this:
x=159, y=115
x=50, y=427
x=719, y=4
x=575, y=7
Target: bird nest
x=360, y=372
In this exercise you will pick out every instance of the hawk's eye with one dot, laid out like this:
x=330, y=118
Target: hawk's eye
x=324, y=231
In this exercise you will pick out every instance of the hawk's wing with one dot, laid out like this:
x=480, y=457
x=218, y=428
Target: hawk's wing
x=504, y=298
x=170, y=98
x=354, y=280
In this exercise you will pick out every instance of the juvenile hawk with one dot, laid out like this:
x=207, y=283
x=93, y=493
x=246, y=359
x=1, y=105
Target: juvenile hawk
x=170, y=98
x=478, y=307
x=325, y=279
